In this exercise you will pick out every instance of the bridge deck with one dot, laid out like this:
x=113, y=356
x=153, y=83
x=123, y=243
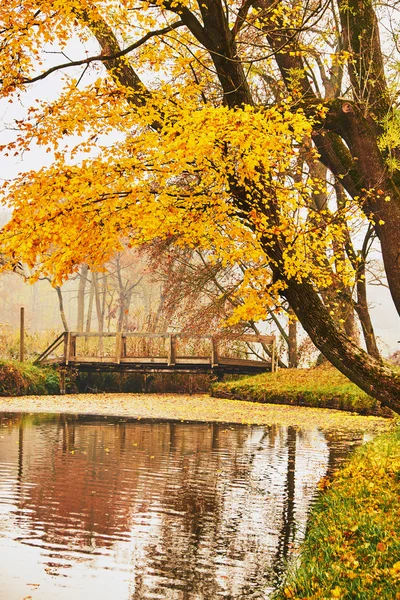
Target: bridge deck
x=150, y=352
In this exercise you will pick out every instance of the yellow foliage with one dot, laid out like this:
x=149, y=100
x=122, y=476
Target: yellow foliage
x=133, y=164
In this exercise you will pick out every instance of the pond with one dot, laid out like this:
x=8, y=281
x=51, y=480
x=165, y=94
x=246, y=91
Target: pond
x=103, y=507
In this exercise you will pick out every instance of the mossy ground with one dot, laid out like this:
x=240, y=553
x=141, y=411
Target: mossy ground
x=352, y=547
x=322, y=386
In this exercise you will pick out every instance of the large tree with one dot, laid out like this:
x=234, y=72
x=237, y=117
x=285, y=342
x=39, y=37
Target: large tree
x=194, y=116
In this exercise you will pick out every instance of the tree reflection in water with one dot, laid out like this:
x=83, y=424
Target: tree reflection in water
x=170, y=510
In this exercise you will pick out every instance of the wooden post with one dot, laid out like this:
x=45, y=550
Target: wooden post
x=118, y=347
x=22, y=335
x=62, y=380
x=190, y=384
x=273, y=352
x=73, y=346
x=171, y=350
x=67, y=345
x=214, y=351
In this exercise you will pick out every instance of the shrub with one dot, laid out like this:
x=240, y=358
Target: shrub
x=19, y=379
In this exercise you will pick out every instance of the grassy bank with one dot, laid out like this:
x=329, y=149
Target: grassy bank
x=19, y=379
x=352, y=548
x=323, y=387
x=22, y=379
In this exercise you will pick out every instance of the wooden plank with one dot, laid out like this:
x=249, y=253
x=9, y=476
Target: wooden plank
x=223, y=360
x=162, y=360
x=183, y=357
x=248, y=337
x=94, y=360
x=73, y=345
x=67, y=347
x=53, y=346
x=93, y=334
x=139, y=334
x=193, y=360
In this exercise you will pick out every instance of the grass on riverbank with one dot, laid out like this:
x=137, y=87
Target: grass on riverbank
x=19, y=379
x=352, y=548
x=322, y=386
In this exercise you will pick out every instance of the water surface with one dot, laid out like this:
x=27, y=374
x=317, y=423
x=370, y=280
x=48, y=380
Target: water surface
x=100, y=507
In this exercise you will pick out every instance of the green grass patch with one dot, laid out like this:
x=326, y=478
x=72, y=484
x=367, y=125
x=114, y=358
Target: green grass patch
x=323, y=387
x=352, y=546
x=20, y=379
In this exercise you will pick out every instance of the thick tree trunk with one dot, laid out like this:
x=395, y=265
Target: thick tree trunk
x=369, y=374
x=358, y=163
x=379, y=195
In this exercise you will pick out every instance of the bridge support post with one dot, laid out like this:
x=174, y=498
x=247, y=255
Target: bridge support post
x=67, y=345
x=190, y=384
x=118, y=347
x=171, y=350
x=273, y=357
x=63, y=373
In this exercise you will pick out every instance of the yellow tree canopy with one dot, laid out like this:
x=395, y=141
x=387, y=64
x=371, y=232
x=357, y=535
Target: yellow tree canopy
x=134, y=163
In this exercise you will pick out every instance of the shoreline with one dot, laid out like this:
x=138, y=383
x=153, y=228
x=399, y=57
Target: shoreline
x=195, y=408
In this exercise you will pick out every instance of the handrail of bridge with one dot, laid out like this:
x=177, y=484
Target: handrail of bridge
x=70, y=337
x=53, y=346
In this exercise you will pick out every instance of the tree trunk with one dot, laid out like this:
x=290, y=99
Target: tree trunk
x=61, y=307
x=292, y=342
x=370, y=374
x=90, y=307
x=365, y=319
x=81, y=297
x=99, y=312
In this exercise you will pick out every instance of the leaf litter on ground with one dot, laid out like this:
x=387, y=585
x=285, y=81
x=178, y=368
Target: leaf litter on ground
x=200, y=408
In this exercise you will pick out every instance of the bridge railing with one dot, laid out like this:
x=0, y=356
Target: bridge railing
x=171, y=349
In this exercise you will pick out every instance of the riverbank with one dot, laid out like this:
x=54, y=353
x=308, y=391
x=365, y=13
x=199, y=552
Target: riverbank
x=198, y=408
x=352, y=547
x=322, y=386
x=23, y=378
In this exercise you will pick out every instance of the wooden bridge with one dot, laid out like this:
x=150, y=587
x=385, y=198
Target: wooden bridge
x=154, y=352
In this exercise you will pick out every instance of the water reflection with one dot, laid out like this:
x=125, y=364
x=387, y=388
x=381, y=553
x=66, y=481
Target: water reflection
x=97, y=506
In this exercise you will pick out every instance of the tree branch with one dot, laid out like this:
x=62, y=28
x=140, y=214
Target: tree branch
x=103, y=57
